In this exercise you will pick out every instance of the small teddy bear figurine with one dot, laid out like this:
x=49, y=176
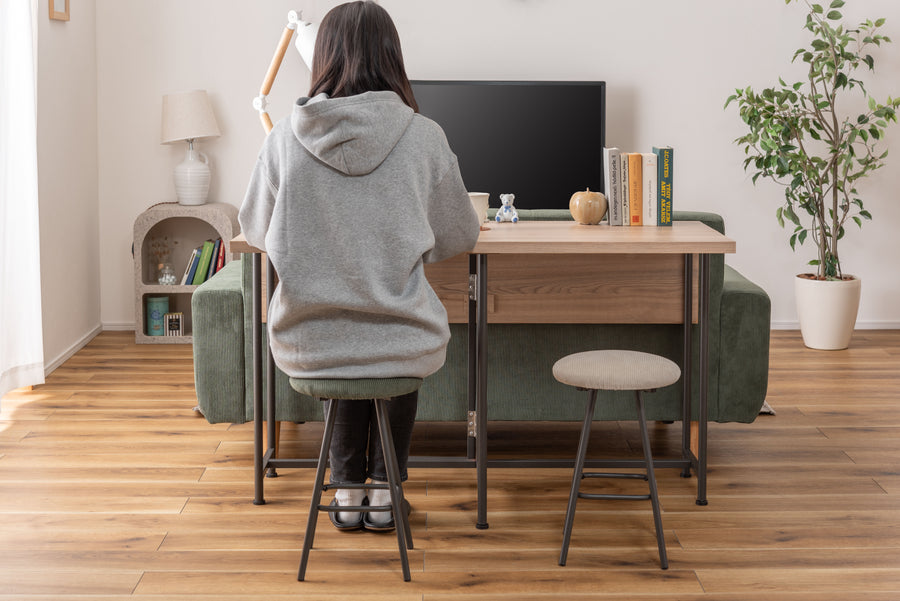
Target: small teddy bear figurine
x=507, y=212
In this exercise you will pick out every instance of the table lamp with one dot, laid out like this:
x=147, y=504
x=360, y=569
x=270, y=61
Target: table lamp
x=188, y=116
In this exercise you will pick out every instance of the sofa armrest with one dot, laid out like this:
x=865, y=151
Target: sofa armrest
x=217, y=311
x=744, y=346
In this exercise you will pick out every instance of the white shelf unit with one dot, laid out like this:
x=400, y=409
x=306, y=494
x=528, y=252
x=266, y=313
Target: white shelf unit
x=181, y=229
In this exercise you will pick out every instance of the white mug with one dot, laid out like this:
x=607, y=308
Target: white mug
x=480, y=202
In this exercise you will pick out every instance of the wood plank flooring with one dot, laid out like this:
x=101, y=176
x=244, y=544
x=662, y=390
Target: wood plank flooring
x=112, y=488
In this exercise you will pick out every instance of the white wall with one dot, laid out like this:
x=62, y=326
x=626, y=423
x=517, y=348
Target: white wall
x=67, y=180
x=669, y=67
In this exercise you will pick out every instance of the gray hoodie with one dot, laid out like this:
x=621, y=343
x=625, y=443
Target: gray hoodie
x=349, y=198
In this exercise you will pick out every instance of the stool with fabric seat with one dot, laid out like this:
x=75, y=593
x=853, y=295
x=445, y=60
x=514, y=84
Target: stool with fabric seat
x=615, y=370
x=381, y=390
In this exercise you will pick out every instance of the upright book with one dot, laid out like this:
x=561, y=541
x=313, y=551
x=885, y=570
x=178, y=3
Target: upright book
x=648, y=188
x=191, y=266
x=612, y=166
x=623, y=189
x=665, y=172
x=214, y=259
x=203, y=264
x=635, y=188
x=220, y=260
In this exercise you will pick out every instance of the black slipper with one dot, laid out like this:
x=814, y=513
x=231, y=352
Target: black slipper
x=387, y=526
x=345, y=526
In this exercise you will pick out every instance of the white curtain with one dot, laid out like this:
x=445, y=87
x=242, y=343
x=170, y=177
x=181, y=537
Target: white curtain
x=21, y=337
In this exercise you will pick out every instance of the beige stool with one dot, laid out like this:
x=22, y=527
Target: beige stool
x=614, y=370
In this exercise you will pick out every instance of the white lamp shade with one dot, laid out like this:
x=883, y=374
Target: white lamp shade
x=187, y=116
x=306, y=41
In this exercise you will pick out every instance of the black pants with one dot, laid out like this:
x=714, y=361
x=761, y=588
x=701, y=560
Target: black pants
x=355, y=451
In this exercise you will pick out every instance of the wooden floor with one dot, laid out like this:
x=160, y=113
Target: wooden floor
x=112, y=488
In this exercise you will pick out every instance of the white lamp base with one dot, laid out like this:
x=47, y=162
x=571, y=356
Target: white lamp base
x=192, y=178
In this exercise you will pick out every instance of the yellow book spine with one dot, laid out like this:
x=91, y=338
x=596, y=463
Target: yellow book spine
x=635, y=190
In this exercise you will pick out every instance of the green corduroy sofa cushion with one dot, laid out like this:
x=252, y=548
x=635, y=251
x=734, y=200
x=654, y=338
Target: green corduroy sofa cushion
x=520, y=356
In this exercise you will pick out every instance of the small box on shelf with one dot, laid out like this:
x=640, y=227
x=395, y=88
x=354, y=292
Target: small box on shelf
x=173, y=324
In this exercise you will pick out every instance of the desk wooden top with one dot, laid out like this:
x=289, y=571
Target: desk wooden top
x=568, y=237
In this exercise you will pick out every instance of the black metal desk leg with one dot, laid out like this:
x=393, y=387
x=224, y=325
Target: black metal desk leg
x=686, y=365
x=256, y=342
x=481, y=392
x=270, y=374
x=471, y=334
x=704, y=377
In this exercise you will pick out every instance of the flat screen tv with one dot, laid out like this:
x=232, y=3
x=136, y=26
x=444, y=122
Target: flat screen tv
x=540, y=140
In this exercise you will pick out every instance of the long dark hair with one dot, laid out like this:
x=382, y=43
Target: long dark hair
x=358, y=50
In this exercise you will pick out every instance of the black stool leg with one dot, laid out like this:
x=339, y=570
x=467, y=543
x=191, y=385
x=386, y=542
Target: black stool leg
x=317, y=489
x=404, y=535
x=651, y=477
x=577, y=475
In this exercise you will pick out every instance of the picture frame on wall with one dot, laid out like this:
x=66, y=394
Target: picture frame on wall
x=59, y=10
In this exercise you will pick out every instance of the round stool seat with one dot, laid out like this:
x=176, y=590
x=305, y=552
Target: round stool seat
x=616, y=370
x=365, y=388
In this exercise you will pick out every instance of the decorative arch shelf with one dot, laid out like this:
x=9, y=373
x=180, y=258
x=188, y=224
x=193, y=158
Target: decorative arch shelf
x=178, y=229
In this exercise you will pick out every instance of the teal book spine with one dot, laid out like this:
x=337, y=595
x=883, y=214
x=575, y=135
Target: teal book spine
x=665, y=166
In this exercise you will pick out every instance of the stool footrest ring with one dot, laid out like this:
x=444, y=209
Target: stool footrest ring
x=613, y=475
x=586, y=495
x=354, y=508
x=348, y=486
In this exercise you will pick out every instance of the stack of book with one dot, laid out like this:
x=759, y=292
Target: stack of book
x=639, y=186
x=205, y=261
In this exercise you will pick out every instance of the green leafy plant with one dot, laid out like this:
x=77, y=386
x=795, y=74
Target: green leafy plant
x=800, y=140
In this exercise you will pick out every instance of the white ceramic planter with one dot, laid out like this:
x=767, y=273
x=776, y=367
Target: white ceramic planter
x=827, y=311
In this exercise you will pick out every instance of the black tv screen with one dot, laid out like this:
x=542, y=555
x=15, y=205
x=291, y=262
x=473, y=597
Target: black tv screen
x=542, y=140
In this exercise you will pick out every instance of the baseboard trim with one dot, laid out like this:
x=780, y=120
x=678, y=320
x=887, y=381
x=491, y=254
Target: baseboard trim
x=122, y=326
x=67, y=354
x=877, y=325
x=860, y=325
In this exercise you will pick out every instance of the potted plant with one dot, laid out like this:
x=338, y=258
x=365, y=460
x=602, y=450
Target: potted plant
x=800, y=139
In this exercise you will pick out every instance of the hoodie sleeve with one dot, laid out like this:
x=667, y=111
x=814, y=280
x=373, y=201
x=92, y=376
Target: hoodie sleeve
x=259, y=203
x=452, y=217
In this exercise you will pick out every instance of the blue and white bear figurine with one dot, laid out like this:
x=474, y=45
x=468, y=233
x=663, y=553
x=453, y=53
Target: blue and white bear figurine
x=507, y=212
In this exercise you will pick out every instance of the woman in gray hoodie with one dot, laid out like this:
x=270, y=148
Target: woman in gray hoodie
x=350, y=196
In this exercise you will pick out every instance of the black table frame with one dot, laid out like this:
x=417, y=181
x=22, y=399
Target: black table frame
x=476, y=456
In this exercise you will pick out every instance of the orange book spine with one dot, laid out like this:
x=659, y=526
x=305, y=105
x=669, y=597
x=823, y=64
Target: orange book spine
x=635, y=190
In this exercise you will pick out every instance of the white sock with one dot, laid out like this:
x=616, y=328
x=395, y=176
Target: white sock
x=349, y=496
x=378, y=496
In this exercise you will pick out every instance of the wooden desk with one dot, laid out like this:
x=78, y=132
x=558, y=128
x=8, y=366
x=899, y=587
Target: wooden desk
x=556, y=272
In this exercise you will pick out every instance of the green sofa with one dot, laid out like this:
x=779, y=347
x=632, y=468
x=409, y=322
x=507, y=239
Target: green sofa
x=520, y=356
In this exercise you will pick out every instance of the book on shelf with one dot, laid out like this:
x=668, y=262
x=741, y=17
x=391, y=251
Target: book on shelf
x=635, y=191
x=648, y=188
x=203, y=264
x=612, y=168
x=191, y=267
x=644, y=194
x=220, y=260
x=623, y=189
x=214, y=258
x=665, y=167
x=173, y=324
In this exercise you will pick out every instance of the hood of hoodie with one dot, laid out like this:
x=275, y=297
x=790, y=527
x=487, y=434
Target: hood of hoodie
x=353, y=134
